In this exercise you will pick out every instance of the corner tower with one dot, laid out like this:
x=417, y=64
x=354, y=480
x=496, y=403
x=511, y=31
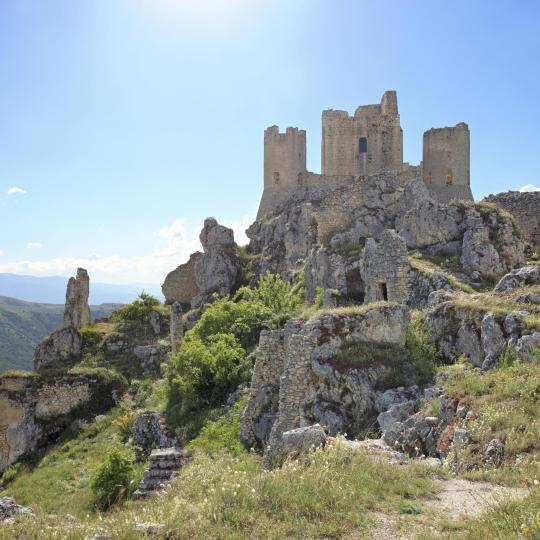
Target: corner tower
x=370, y=142
x=446, y=162
x=284, y=157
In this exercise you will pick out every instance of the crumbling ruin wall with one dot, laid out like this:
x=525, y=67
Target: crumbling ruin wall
x=385, y=268
x=525, y=208
x=180, y=284
x=34, y=409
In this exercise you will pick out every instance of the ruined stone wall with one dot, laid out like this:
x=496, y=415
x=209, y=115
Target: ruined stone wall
x=343, y=153
x=34, y=410
x=385, y=268
x=525, y=208
x=317, y=380
x=446, y=162
x=284, y=156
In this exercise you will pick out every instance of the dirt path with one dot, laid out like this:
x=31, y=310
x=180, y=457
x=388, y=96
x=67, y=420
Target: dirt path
x=456, y=500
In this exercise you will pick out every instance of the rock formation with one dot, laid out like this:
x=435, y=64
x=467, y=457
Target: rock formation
x=180, y=284
x=77, y=312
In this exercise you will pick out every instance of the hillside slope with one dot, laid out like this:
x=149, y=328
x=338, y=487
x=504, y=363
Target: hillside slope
x=24, y=324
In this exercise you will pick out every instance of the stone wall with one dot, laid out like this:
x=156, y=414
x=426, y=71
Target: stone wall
x=525, y=208
x=367, y=143
x=323, y=371
x=34, y=410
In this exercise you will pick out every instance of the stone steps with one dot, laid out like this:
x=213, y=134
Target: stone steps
x=164, y=464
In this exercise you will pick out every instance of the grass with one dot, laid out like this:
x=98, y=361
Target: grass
x=500, y=305
x=59, y=483
x=326, y=494
x=505, y=405
x=313, y=312
x=428, y=267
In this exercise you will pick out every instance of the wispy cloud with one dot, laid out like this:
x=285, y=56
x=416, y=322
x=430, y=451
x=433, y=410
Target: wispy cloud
x=14, y=190
x=1, y=252
x=151, y=267
x=35, y=245
x=528, y=188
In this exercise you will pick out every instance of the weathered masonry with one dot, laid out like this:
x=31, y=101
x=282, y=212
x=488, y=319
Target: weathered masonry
x=368, y=143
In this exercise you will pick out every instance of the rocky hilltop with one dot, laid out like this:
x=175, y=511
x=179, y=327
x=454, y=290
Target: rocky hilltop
x=364, y=319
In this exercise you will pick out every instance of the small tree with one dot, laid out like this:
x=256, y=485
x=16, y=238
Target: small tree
x=113, y=479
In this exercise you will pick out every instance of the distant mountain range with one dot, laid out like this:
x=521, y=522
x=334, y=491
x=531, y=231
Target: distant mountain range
x=52, y=290
x=24, y=324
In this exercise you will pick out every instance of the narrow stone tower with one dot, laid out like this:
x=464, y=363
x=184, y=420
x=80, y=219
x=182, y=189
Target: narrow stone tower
x=446, y=162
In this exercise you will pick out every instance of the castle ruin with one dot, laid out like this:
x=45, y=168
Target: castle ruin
x=366, y=144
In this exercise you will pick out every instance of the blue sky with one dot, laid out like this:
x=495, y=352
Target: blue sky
x=127, y=122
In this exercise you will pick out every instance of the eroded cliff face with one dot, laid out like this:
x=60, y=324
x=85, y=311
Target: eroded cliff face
x=34, y=409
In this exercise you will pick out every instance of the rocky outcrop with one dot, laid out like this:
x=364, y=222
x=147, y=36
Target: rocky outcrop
x=180, y=284
x=480, y=336
x=62, y=348
x=525, y=208
x=324, y=225
x=77, y=312
x=34, y=409
x=298, y=441
x=9, y=509
x=327, y=371
x=528, y=275
x=218, y=271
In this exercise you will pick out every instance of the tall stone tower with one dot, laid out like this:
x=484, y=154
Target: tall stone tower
x=446, y=162
x=370, y=142
x=284, y=157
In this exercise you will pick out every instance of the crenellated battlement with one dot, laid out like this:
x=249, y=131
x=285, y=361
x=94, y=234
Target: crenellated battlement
x=368, y=143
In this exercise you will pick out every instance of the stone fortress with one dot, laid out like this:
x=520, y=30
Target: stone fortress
x=366, y=144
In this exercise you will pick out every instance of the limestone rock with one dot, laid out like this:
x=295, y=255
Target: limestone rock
x=493, y=342
x=77, y=312
x=219, y=269
x=180, y=285
x=527, y=275
x=9, y=509
x=526, y=347
x=493, y=452
x=298, y=441
x=61, y=348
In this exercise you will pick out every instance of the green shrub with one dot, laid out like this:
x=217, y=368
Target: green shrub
x=112, y=482
x=206, y=372
x=137, y=310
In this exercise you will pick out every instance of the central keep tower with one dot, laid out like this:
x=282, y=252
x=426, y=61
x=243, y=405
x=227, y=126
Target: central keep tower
x=370, y=142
